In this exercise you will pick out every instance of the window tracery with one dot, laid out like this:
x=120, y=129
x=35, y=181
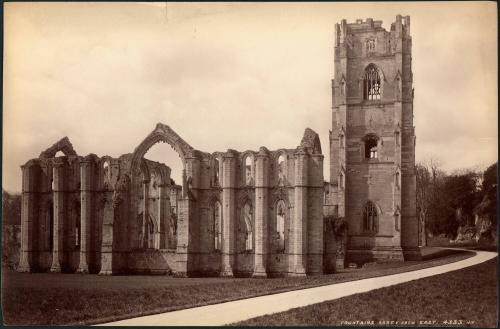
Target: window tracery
x=280, y=226
x=372, y=83
x=281, y=169
x=370, y=217
x=247, y=226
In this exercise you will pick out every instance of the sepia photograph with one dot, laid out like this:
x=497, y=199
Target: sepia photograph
x=250, y=164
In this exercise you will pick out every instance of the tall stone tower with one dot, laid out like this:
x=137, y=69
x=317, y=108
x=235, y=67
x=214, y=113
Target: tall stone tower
x=372, y=141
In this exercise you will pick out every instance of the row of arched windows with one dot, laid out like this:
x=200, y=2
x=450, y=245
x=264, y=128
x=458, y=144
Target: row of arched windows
x=249, y=170
x=246, y=226
x=249, y=174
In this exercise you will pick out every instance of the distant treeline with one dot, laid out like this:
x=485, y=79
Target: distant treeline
x=446, y=202
x=11, y=208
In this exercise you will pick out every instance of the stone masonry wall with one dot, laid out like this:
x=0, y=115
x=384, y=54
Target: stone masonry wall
x=387, y=181
x=126, y=216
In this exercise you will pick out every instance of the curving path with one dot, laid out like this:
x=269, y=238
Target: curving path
x=244, y=309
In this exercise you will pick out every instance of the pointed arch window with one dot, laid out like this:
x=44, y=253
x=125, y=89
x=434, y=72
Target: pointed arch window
x=216, y=173
x=106, y=174
x=150, y=233
x=280, y=226
x=370, y=45
x=154, y=183
x=342, y=89
x=281, y=169
x=76, y=216
x=248, y=170
x=147, y=231
x=397, y=220
x=217, y=215
x=370, y=217
x=372, y=83
x=247, y=226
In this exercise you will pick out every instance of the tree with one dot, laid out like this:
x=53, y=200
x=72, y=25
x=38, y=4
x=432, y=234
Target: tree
x=430, y=179
x=424, y=194
x=11, y=218
x=11, y=208
x=460, y=198
x=488, y=194
x=447, y=202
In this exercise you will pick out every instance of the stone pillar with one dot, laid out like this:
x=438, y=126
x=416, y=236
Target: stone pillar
x=183, y=221
x=193, y=171
x=300, y=213
x=164, y=216
x=107, y=239
x=27, y=257
x=228, y=212
x=59, y=215
x=86, y=187
x=183, y=251
x=221, y=170
x=314, y=217
x=115, y=244
x=261, y=213
x=187, y=221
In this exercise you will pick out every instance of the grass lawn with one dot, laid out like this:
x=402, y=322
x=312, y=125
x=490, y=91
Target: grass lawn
x=45, y=298
x=463, y=298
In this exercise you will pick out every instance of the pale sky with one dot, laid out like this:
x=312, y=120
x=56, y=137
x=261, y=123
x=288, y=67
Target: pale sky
x=230, y=75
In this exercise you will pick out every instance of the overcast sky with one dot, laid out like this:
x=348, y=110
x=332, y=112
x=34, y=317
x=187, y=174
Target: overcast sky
x=230, y=75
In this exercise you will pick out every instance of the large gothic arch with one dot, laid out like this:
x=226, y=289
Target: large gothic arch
x=162, y=133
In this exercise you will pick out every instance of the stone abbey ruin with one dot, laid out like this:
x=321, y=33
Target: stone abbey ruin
x=253, y=213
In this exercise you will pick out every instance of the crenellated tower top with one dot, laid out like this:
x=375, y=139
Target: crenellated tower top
x=343, y=29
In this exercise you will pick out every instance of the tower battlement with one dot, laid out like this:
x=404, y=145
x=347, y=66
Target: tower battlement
x=343, y=30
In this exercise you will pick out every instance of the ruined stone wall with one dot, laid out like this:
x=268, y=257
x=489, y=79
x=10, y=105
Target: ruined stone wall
x=237, y=213
x=252, y=188
x=75, y=212
x=50, y=214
